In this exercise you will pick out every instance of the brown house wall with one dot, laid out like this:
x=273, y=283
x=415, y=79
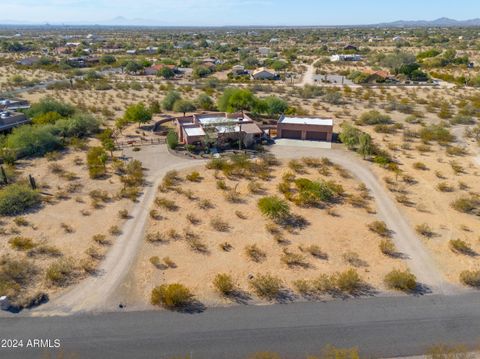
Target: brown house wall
x=304, y=129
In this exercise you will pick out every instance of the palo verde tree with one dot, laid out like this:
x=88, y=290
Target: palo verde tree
x=138, y=113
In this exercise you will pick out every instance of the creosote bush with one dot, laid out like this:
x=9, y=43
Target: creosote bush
x=267, y=286
x=470, y=278
x=17, y=198
x=224, y=284
x=171, y=296
x=401, y=280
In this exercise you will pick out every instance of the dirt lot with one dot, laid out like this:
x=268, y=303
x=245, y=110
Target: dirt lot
x=342, y=233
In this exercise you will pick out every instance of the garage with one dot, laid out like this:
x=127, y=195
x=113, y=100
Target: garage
x=316, y=136
x=293, y=134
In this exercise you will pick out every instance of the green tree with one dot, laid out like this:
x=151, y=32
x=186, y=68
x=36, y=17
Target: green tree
x=236, y=99
x=183, y=106
x=365, y=147
x=155, y=107
x=138, y=113
x=166, y=73
x=350, y=136
x=172, y=139
x=133, y=67
x=275, y=105
x=108, y=59
x=96, y=162
x=204, y=102
x=108, y=141
x=170, y=99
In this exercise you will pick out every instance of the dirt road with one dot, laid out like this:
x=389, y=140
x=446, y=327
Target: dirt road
x=406, y=241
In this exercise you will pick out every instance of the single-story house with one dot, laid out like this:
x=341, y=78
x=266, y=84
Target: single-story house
x=343, y=57
x=238, y=70
x=219, y=127
x=264, y=51
x=10, y=119
x=153, y=70
x=264, y=74
x=305, y=128
x=13, y=104
x=83, y=61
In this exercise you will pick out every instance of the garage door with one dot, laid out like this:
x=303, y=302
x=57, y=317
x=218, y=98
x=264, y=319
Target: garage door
x=292, y=134
x=316, y=136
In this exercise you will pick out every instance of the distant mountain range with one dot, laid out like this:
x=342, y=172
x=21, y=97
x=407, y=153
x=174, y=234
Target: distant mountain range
x=441, y=22
x=122, y=21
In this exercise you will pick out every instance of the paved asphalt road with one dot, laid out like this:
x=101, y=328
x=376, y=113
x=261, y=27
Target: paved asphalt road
x=379, y=326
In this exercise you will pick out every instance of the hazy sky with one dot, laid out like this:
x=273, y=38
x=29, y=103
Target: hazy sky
x=238, y=12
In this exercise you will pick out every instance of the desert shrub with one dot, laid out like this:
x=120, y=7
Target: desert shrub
x=267, y=286
x=255, y=187
x=314, y=192
x=101, y=239
x=196, y=243
x=224, y=284
x=222, y=185
x=445, y=187
x=470, y=278
x=115, y=231
x=303, y=287
x=353, y=259
x=171, y=179
x=467, y=204
x=273, y=207
x=155, y=237
x=171, y=296
x=156, y=262
x=44, y=250
x=205, y=204
x=60, y=273
x=324, y=284
x=349, y=281
x=193, y=219
x=293, y=259
x=401, y=280
x=296, y=166
x=374, y=118
x=22, y=243
x=315, y=251
x=194, y=176
x=15, y=275
x=33, y=140
x=420, y=166
x=219, y=224
x=169, y=262
x=17, y=198
x=387, y=247
x=380, y=228
x=166, y=203
x=123, y=214
x=424, y=230
x=459, y=246
x=436, y=133
x=21, y=222
x=255, y=253
x=241, y=215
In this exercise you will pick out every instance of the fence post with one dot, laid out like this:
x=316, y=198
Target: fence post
x=32, y=182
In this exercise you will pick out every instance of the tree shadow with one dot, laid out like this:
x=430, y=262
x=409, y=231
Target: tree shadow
x=193, y=307
x=421, y=289
x=240, y=296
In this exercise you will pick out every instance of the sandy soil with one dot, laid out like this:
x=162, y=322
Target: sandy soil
x=336, y=235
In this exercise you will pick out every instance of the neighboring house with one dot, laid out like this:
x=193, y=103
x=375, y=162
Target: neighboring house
x=343, y=57
x=151, y=50
x=131, y=52
x=238, y=70
x=264, y=74
x=13, y=105
x=10, y=119
x=218, y=127
x=153, y=70
x=381, y=75
x=305, y=128
x=83, y=61
x=264, y=51
x=29, y=61
x=350, y=48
